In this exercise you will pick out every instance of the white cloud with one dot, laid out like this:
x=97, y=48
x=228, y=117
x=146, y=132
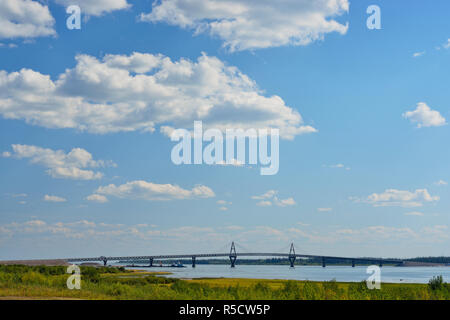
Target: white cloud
x=25, y=19
x=314, y=241
x=6, y=154
x=441, y=183
x=377, y=233
x=223, y=202
x=284, y=202
x=35, y=223
x=97, y=198
x=324, y=209
x=400, y=198
x=60, y=164
x=9, y=45
x=223, y=208
x=233, y=162
x=437, y=231
x=97, y=7
x=264, y=203
x=154, y=192
x=424, y=116
x=247, y=25
x=50, y=198
x=414, y=213
x=270, y=197
x=418, y=54
x=447, y=44
x=337, y=166
x=141, y=91
x=17, y=195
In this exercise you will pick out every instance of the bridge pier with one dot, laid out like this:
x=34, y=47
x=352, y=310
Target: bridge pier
x=323, y=262
x=151, y=262
x=105, y=261
x=291, y=261
x=232, y=261
x=233, y=255
x=193, y=262
x=292, y=255
x=353, y=263
x=381, y=263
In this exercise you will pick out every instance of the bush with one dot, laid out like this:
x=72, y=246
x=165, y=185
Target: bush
x=436, y=283
x=32, y=277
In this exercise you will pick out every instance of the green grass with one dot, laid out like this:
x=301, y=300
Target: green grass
x=43, y=282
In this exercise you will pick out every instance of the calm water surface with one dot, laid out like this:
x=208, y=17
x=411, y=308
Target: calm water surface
x=313, y=273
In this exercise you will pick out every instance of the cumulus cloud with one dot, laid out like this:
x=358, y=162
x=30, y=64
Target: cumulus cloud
x=324, y=209
x=150, y=191
x=62, y=165
x=25, y=19
x=270, y=197
x=51, y=198
x=247, y=25
x=97, y=7
x=424, y=116
x=400, y=198
x=97, y=198
x=141, y=91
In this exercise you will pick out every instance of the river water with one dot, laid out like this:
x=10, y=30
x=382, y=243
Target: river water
x=313, y=273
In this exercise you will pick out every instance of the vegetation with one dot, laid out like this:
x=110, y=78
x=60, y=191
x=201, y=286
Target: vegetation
x=443, y=260
x=117, y=283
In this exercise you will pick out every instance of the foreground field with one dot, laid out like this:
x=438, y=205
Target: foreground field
x=41, y=282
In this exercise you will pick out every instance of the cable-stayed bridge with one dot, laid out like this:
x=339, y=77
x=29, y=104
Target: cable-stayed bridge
x=233, y=255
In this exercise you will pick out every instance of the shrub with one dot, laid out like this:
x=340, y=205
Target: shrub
x=436, y=283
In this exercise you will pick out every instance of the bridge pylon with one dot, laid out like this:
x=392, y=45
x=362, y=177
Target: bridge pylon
x=233, y=254
x=151, y=262
x=292, y=255
x=193, y=261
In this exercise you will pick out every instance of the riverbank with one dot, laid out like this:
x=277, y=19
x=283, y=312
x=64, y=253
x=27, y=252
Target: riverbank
x=25, y=282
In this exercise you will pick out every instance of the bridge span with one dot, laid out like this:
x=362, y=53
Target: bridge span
x=233, y=255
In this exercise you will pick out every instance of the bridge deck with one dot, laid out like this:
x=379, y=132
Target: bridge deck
x=214, y=255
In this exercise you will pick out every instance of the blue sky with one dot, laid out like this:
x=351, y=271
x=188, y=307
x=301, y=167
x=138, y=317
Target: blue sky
x=371, y=181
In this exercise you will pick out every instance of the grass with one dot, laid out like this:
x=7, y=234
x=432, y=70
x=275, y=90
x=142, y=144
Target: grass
x=23, y=282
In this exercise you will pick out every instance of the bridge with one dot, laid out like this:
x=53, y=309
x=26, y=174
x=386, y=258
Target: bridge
x=233, y=255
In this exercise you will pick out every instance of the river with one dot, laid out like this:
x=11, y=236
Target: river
x=313, y=273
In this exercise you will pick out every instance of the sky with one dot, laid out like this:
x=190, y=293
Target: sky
x=86, y=116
